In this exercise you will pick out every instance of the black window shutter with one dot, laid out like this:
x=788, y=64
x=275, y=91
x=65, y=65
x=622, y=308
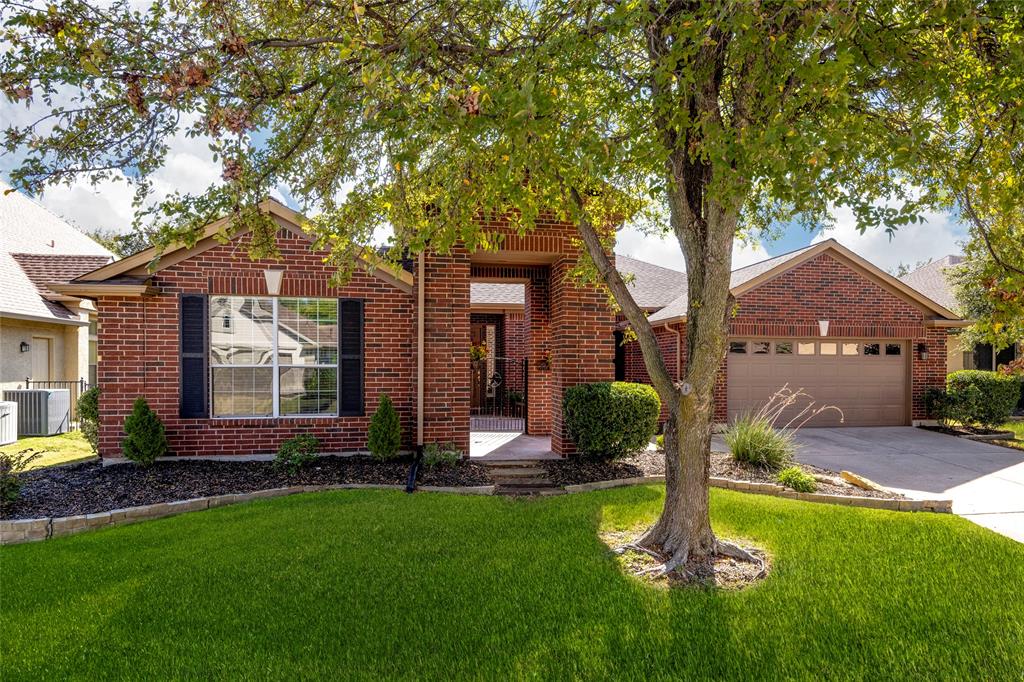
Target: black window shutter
x=194, y=337
x=350, y=357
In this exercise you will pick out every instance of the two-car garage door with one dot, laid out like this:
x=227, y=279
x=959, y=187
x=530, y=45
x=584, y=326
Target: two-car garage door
x=866, y=379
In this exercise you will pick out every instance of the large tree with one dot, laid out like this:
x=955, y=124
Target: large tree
x=702, y=119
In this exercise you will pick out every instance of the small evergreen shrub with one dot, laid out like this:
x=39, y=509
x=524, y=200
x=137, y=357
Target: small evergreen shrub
x=753, y=440
x=12, y=466
x=440, y=454
x=978, y=397
x=385, y=436
x=296, y=453
x=660, y=441
x=89, y=417
x=144, y=439
x=611, y=420
x=797, y=479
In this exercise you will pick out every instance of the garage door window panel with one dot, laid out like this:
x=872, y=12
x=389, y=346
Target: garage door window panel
x=739, y=347
x=805, y=348
x=893, y=348
x=829, y=349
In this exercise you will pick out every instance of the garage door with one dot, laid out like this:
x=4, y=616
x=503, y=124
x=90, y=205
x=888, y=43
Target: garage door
x=866, y=379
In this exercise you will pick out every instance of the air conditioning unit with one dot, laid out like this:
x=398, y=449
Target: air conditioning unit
x=8, y=422
x=41, y=411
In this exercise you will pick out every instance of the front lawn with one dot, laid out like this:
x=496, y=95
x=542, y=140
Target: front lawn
x=64, y=448
x=377, y=584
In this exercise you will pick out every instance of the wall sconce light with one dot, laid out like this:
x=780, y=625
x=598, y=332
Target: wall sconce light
x=273, y=278
x=823, y=327
x=24, y=347
x=922, y=351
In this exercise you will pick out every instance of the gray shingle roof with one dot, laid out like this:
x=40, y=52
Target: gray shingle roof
x=28, y=228
x=487, y=293
x=932, y=280
x=678, y=307
x=653, y=286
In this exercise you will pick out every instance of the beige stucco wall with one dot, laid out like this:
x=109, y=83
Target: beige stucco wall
x=69, y=347
x=954, y=354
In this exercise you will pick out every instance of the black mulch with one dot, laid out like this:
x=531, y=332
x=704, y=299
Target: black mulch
x=962, y=430
x=651, y=463
x=91, y=487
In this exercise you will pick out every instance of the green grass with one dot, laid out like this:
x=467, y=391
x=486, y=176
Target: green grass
x=1018, y=428
x=61, y=449
x=377, y=584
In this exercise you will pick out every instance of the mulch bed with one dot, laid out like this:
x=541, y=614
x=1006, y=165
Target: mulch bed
x=91, y=487
x=652, y=463
x=962, y=430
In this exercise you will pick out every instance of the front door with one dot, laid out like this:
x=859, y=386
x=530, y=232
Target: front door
x=478, y=338
x=41, y=358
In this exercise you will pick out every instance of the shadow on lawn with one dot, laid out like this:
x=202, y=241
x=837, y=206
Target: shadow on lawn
x=380, y=584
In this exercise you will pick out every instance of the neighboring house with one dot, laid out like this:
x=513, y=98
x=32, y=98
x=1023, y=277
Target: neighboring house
x=45, y=336
x=933, y=280
x=237, y=355
x=824, y=320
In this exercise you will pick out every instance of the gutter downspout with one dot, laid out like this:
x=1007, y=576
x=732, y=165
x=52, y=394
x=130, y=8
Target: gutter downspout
x=679, y=347
x=410, y=484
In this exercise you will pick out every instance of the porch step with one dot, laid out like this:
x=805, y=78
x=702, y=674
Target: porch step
x=528, y=491
x=521, y=477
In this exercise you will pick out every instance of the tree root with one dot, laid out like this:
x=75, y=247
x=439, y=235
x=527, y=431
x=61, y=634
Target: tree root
x=677, y=563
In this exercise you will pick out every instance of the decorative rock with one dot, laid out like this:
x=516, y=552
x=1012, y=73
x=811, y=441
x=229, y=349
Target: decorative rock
x=861, y=482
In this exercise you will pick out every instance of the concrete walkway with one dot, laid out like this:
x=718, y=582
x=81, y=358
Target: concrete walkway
x=504, y=445
x=985, y=482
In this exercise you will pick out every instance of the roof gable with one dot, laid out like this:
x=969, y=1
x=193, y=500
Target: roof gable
x=135, y=268
x=750, y=277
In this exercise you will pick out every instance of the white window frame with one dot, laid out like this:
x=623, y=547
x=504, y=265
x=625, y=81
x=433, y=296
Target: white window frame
x=275, y=365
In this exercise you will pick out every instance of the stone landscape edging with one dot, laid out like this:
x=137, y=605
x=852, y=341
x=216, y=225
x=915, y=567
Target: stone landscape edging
x=937, y=506
x=17, y=531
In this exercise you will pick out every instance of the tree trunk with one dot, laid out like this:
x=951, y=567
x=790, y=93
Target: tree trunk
x=684, y=530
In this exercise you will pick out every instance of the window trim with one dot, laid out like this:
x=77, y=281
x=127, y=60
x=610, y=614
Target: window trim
x=275, y=365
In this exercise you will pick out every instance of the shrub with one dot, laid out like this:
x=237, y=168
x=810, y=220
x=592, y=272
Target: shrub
x=89, y=417
x=144, y=439
x=660, y=441
x=611, y=420
x=12, y=466
x=753, y=440
x=296, y=453
x=797, y=479
x=440, y=454
x=385, y=435
x=979, y=397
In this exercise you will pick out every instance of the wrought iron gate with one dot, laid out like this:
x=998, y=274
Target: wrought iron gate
x=498, y=398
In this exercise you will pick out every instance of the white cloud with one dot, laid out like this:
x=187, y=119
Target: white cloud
x=188, y=167
x=665, y=251
x=940, y=235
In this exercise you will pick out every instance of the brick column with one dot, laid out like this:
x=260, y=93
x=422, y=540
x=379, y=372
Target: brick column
x=582, y=343
x=930, y=373
x=536, y=322
x=446, y=391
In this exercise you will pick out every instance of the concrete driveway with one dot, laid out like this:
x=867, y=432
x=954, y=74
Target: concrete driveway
x=985, y=482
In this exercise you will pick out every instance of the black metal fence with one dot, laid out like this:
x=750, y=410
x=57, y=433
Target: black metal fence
x=76, y=389
x=498, y=397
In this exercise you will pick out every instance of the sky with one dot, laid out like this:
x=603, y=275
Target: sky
x=189, y=167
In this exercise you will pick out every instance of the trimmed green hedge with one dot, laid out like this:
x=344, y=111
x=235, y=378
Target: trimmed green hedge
x=611, y=420
x=980, y=397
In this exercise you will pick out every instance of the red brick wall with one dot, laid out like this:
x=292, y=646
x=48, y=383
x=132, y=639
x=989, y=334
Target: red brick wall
x=515, y=335
x=446, y=365
x=823, y=288
x=138, y=350
x=582, y=343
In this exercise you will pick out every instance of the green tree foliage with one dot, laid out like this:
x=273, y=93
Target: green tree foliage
x=703, y=120
x=123, y=244
x=144, y=438
x=89, y=417
x=385, y=436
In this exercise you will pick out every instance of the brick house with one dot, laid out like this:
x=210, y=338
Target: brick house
x=237, y=355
